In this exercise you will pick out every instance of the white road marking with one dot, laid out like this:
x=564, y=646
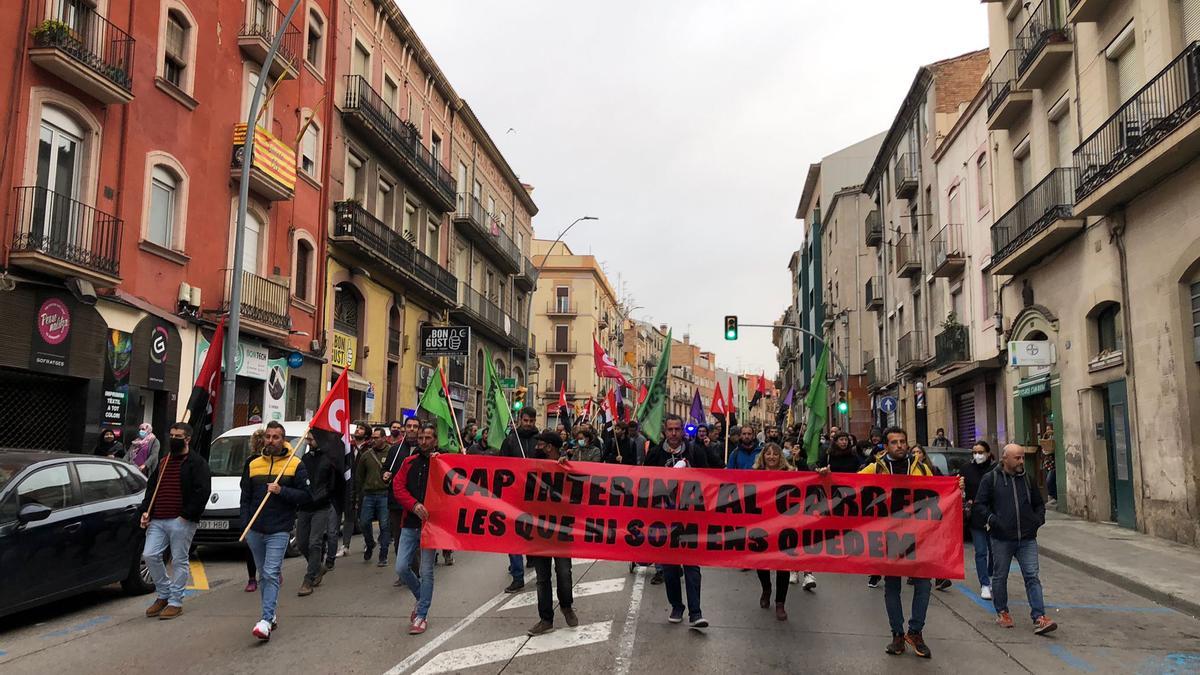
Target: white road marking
x=579, y=591
x=504, y=650
x=624, y=660
x=415, y=658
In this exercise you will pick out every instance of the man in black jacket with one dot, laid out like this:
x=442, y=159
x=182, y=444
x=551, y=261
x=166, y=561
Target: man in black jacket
x=620, y=449
x=520, y=443
x=1012, y=511
x=412, y=478
x=549, y=445
x=313, y=518
x=403, y=441
x=179, y=487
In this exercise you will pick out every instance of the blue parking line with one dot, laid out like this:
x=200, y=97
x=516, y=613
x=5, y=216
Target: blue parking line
x=1070, y=659
x=988, y=607
x=1176, y=663
x=77, y=628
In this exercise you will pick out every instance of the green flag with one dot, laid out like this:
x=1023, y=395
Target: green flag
x=817, y=402
x=498, y=417
x=652, y=410
x=436, y=401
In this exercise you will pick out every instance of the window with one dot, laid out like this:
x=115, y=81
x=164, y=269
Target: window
x=983, y=182
x=986, y=304
x=391, y=92
x=99, y=481
x=560, y=338
x=360, y=63
x=1189, y=11
x=953, y=212
x=59, y=175
x=296, y=387
x=49, y=487
x=560, y=376
x=254, y=228
x=1110, y=336
x=161, y=226
x=435, y=146
x=462, y=184
x=562, y=298
x=1060, y=133
x=410, y=220
x=310, y=149
x=491, y=202
x=345, y=309
x=1022, y=169
x=385, y=203
x=316, y=36
x=353, y=183
x=431, y=238
x=175, y=52
x=304, y=275
x=1194, y=290
x=250, y=84
x=1126, y=67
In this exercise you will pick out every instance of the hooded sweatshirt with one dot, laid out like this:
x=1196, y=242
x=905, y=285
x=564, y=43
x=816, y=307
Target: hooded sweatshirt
x=279, y=512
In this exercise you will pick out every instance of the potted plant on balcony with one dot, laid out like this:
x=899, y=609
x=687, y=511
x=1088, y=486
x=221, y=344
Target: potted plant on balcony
x=955, y=336
x=51, y=33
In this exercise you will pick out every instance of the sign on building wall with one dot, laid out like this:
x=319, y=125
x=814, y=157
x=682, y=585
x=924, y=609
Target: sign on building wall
x=438, y=341
x=251, y=359
x=1030, y=353
x=345, y=351
x=51, y=334
x=275, y=393
x=118, y=355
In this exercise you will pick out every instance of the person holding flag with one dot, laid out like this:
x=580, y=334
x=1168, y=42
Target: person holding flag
x=325, y=462
x=280, y=474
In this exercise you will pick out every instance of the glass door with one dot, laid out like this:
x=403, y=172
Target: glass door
x=58, y=175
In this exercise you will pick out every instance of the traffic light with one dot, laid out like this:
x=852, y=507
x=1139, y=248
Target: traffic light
x=843, y=402
x=731, y=327
x=518, y=398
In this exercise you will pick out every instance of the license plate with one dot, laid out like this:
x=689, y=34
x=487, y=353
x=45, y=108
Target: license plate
x=214, y=525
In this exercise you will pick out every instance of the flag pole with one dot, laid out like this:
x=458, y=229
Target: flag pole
x=154, y=496
x=450, y=406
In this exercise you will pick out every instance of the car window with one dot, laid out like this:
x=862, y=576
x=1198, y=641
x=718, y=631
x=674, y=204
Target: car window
x=228, y=455
x=134, y=481
x=8, y=508
x=100, y=481
x=8, y=469
x=49, y=487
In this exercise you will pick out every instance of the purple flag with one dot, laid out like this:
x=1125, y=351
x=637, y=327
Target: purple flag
x=787, y=400
x=697, y=412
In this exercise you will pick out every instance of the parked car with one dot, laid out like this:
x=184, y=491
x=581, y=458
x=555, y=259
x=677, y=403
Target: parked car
x=949, y=461
x=68, y=524
x=221, y=523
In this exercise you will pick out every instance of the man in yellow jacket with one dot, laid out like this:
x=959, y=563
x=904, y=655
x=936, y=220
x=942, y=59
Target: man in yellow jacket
x=897, y=459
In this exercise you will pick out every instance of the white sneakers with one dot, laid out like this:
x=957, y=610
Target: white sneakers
x=794, y=578
x=986, y=592
x=810, y=582
x=262, y=630
x=343, y=551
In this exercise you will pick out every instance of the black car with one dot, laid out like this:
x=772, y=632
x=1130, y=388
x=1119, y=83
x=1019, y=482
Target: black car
x=68, y=524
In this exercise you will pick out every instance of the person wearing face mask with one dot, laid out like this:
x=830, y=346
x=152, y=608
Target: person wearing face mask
x=108, y=445
x=1012, y=511
x=972, y=474
x=176, y=495
x=586, y=449
x=144, y=450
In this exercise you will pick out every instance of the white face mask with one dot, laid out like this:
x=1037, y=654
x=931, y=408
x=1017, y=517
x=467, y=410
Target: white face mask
x=980, y=457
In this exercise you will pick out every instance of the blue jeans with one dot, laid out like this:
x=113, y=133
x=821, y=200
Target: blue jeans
x=691, y=581
x=516, y=567
x=983, y=556
x=895, y=607
x=422, y=588
x=374, y=507
x=268, y=550
x=176, y=533
x=1026, y=553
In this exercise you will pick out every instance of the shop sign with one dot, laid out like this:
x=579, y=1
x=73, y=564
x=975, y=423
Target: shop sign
x=345, y=351
x=51, y=334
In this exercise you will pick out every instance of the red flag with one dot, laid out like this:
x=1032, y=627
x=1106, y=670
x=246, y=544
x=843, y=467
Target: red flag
x=718, y=403
x=604, y=364
x=759, y=390
x=330, y=426
x=587, y=410
x=206, y=391
x=731, y=403
x=643, y=392
x=562, y=397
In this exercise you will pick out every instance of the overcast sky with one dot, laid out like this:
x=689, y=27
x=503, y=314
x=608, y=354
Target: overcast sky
x=687, y=127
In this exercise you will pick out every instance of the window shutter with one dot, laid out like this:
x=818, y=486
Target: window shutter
x=1128, y=73
x=175, y=40
x=1189, y=11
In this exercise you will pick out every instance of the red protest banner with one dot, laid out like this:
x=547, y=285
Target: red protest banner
x=778, y=520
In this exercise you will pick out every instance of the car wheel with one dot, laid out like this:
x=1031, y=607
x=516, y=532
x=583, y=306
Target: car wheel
x=139, y=581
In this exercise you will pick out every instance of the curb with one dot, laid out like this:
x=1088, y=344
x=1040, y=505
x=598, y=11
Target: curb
x=1131, y=584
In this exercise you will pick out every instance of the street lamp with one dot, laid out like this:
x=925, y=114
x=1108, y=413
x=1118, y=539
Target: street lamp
x=529, y=305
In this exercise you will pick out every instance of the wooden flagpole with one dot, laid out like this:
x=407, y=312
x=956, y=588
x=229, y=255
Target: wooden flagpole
x=450, y=406
x=161, y=467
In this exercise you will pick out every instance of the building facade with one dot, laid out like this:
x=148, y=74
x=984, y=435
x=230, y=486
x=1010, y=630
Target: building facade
x=120, y=211
x=574, y=302
x=1096, y=251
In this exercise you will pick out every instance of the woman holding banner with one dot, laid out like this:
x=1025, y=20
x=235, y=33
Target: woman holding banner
x=771, y=459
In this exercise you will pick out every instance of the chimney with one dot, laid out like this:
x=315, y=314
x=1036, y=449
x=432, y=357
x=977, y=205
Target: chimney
x=687, y=339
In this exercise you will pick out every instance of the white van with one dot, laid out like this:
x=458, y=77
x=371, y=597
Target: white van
x=221, y=523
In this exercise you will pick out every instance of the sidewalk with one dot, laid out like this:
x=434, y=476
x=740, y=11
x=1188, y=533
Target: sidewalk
x=1161, y=570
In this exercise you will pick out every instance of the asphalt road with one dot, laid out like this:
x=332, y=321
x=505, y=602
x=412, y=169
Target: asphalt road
x=356, y=622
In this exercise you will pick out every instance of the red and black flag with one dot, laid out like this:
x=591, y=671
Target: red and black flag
x=330, y=427
x=760, y=390
x=206, y=391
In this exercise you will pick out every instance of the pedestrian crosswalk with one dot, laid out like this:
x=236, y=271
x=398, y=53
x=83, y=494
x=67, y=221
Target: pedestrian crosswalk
x=579, y=591
x=507, y=649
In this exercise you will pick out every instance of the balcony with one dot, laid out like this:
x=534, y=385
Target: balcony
x=1086, y=11
x=480, y=227
x=874, y=228
x=562, y=307
x=366, y=110
x=553, y=387
x=264, y=303
x=874, y=293
x=78, y=45
x=255, y=36
x=60, y=236
x=951, y=347
x=904, y=175
x=375, y=242
x=561, y=348
x=910, y=351
x=1038, y=224
x=1154, y=133
x=273, y=167
x=527, y=277
x=908, y=256
x=484, y=314
x=1007, y=102
x=948, y=257
x=1044, y=44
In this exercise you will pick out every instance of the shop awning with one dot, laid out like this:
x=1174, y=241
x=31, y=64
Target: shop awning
x=356, y=381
